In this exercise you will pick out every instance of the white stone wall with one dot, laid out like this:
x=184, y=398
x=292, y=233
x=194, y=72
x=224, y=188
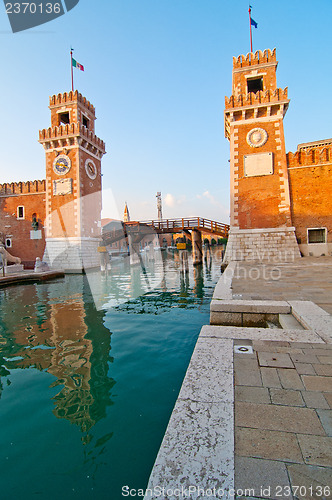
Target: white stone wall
x=316, y=249
x=270, y=244
x=72, y=254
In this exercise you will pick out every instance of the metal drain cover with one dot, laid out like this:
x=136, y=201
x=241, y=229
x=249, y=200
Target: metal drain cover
x=243, y=349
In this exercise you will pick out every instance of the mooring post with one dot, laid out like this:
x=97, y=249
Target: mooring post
x=197, y=247
x=134, y=256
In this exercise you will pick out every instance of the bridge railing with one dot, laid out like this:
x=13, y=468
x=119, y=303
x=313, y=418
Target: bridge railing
x=188, y=223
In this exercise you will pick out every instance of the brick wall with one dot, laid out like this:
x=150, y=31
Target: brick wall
x=310, y=176
x=31, y=196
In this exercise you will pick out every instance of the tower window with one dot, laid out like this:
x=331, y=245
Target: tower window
x=317, y=235
x=64, y=118
x=8, y=243
x=85, y=122
x=255, y=84
x=20, y=212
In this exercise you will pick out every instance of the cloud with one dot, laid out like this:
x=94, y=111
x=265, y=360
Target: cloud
x=169, y=200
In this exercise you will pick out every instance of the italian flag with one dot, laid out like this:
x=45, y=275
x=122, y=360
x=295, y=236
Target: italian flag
x=78, y=65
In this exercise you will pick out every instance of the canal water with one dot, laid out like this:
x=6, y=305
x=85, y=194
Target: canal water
x=90, y=369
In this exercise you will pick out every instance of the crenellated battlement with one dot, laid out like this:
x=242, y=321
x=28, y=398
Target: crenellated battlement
x=28, y=187
x=312, y=156
x=69, y=98
x=70, y=130
x=255, y=58
x=252, y=99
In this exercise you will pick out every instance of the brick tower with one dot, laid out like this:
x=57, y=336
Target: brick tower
x=261, y=225
x=73, y=183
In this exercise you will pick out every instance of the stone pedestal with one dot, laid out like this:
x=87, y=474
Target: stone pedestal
x=267, y=244
x=72, y=255
x=13, y=268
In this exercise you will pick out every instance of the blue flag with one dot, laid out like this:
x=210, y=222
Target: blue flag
x=253, y=23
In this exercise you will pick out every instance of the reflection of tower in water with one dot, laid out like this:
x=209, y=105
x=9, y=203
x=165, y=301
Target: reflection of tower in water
x=66, y=338
x=80, y=360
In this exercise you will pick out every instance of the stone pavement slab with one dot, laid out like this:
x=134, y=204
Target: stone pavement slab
x=272, y=445
x=290, y=379
x=325, y=417
x=286, y=397
x=313, y=482
x=278, y=418
x=316, y=450
x=315, y=400
x=253, y=394
x=260, y=476
x=318, y=383
x=270, y=377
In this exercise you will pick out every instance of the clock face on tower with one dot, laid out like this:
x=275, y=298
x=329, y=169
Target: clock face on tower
x=91, y=169
x=61, y=165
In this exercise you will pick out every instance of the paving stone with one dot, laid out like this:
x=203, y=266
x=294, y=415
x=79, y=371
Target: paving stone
x=253, y=394
x=302, y=345
x=243, y=342
x=290, y=379
x=324, y=346
x=315, y=400
x=325, y=360
x=278, y=418
x=312, y=479
x=286, y=397
x=323, y=370
x=322, y=384
x=272, y=445
x=272, y=343
x=328, y=397
x=270, y=377
x=258, y=475
x=304, y=358
x=316, y=450
x=326, y=420
x=304, y=369
x=274, y=360
x=247, y=372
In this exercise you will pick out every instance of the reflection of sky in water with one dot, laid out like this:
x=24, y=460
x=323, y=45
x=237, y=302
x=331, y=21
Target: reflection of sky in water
x=85, y=394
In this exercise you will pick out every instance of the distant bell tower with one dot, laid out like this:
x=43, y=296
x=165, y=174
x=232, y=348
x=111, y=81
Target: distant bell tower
x=261, y=225
x=126, y=215
x=73, y=183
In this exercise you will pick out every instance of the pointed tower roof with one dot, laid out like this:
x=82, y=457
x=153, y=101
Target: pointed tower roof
x=126, y=215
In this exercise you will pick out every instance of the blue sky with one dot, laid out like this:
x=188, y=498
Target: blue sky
x=157, y=72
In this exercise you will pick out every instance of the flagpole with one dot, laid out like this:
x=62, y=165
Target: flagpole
x=72, y=72
x=250, y=28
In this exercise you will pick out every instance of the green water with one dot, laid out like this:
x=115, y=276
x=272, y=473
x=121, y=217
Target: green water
x=86, y=390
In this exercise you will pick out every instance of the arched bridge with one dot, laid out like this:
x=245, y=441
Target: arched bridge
x=138, y=229
x=188, y=224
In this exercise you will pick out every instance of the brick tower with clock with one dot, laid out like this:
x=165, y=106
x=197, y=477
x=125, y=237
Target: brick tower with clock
x=73, y=184
x=261, y=218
